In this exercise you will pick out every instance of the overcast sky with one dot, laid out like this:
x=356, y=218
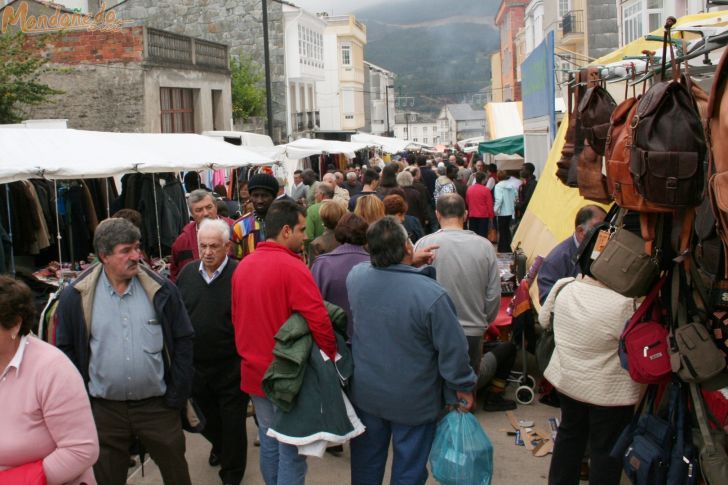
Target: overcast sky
x=339, y=7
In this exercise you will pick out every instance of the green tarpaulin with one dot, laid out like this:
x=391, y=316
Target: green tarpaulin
x=508, y=145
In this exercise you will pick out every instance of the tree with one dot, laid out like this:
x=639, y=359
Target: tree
x=21, y=65
x=248, y=96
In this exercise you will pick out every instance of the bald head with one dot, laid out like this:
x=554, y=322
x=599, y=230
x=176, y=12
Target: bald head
x=329, y=179
x=587, y=217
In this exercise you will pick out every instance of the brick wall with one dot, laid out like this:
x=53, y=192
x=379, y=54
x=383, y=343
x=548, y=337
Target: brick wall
x=85, y=47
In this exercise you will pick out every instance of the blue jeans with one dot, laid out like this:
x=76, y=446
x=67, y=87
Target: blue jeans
x=279, y=462
x=411, y=444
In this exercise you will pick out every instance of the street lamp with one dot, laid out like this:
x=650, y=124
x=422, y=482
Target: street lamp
x=386, y=89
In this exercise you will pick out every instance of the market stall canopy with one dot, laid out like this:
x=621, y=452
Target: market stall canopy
x=69, y=154
x=508, y=145
x=305, y=147
x=504, y=119
x=388, y=144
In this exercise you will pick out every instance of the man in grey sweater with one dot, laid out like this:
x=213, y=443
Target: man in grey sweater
x=467, y=268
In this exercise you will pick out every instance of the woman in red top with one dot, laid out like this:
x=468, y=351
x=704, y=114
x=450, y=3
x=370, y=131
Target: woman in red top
x=480, y=205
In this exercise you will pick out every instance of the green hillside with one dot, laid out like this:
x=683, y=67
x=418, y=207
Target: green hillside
x=439, y=57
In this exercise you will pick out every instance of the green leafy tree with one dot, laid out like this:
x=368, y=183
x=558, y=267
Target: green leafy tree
x=247, y=93
x=21, y=65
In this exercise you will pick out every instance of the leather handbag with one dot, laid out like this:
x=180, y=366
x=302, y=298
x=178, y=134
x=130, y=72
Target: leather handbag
x=694, y=355
x=623, y=265
x=713, y=457
x=592, y=183
x=643, y=344
x=668, y=148
x=620, y=183
x=595, y=110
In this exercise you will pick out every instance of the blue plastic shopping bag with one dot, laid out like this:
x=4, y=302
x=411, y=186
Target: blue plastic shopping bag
x=462, y=453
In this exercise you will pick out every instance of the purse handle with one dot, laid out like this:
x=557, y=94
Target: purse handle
x=667, y=39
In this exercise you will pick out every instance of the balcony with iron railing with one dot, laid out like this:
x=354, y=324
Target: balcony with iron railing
x=572, y=24
x=168, y=48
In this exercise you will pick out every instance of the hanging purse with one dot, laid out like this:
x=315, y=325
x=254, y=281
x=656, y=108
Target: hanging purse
x=623, y=265
x=713, y=458
x=643, y=348
x=693, y=353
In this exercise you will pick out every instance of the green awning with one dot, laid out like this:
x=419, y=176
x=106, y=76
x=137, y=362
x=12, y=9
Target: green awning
x=508, y=145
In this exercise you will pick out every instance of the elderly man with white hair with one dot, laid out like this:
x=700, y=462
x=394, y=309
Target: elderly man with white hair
x=340, y=195
x=205, y=286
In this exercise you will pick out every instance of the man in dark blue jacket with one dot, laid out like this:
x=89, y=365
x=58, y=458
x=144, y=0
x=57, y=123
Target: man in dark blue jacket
x=126, y=330
x=403, y=320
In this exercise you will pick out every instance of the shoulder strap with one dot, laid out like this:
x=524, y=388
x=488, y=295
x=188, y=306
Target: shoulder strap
x=646, y=305
x=700, y=415
x=551, y=317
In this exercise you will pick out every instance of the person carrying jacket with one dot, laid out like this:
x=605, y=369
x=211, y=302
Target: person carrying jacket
x=126, y=330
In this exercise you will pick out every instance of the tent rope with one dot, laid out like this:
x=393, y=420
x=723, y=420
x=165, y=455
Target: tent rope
x=10, y=231
x=156, y=215
x=58, y=225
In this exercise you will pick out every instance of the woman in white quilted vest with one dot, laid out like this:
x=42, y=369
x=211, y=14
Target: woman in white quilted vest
x=597, y=396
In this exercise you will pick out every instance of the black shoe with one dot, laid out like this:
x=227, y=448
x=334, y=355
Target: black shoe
x=337, y=450
x=214, y=460
x=496, y=402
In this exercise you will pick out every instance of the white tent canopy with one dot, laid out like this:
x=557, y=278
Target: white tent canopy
x=68, y=154
x=305, y=147
x=389, y=145
x=505, y=161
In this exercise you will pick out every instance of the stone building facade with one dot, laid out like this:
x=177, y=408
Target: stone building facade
x=236, y=23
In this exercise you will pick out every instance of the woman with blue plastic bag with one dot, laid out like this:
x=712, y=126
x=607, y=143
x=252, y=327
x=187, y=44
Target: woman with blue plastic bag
x=597, y=395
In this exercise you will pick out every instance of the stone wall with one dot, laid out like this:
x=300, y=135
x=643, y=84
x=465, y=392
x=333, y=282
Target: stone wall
x=101, y=97
x=237, y=23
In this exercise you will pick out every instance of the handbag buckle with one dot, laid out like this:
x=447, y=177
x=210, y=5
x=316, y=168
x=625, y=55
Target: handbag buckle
x=671, y=183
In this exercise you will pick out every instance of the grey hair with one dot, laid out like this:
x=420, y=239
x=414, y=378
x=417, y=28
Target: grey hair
x=215, y=225
x=386, y=240
x=198, y=195
x=351, y=175
x=113, y=231
x=405, y=179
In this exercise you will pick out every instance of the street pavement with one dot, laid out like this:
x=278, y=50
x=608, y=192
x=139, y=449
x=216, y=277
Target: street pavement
x=513, y=465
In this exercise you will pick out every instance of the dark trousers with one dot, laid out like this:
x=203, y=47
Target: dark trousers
x=158, y=427
x=583, y=423
x=217, y=392
x=479, y=225
x=504, y=234
x=411, y=445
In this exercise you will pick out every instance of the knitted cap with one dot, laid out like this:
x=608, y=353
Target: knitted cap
x=263, y=181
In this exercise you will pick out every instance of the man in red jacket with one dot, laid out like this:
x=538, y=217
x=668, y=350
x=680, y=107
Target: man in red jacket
x=202, y=206
x=268, y=286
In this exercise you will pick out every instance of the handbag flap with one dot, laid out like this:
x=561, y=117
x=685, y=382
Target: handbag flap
x=718, y=88
x=652, y=98
x=619, y=115
x=679, y=165
x=586, y=99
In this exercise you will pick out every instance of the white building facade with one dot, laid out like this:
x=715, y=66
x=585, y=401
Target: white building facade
x=416, y=127
x=341, y=94
x=379, y=113
x=304, y=41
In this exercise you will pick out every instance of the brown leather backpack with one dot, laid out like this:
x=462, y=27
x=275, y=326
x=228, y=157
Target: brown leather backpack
x=619, y=179
x=668, y=142
x=595, y=109
x=717, y=132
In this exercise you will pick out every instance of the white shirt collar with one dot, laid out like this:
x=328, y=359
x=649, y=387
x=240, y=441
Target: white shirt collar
x=215, y=274
x=17, y=358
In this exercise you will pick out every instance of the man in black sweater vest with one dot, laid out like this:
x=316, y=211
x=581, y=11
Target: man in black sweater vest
x=205, y=286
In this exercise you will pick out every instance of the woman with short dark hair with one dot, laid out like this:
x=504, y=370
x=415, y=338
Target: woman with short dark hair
x=46, y=421
x=331, y=269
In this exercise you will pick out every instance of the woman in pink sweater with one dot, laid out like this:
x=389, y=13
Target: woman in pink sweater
x=45, y=416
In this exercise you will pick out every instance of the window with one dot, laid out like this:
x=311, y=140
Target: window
x=640, y=17
x=564, y=7
x=177, y=111
x=424, y=131
x=424, y=140
x=346, y=54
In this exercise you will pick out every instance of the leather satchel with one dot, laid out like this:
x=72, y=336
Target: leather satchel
x=669, y=148
x=595, y=110
x=592, y=183
x=620, y=183
x=623, y=265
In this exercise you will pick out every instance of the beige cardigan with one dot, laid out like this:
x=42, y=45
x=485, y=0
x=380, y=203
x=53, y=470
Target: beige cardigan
x=588, y=320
